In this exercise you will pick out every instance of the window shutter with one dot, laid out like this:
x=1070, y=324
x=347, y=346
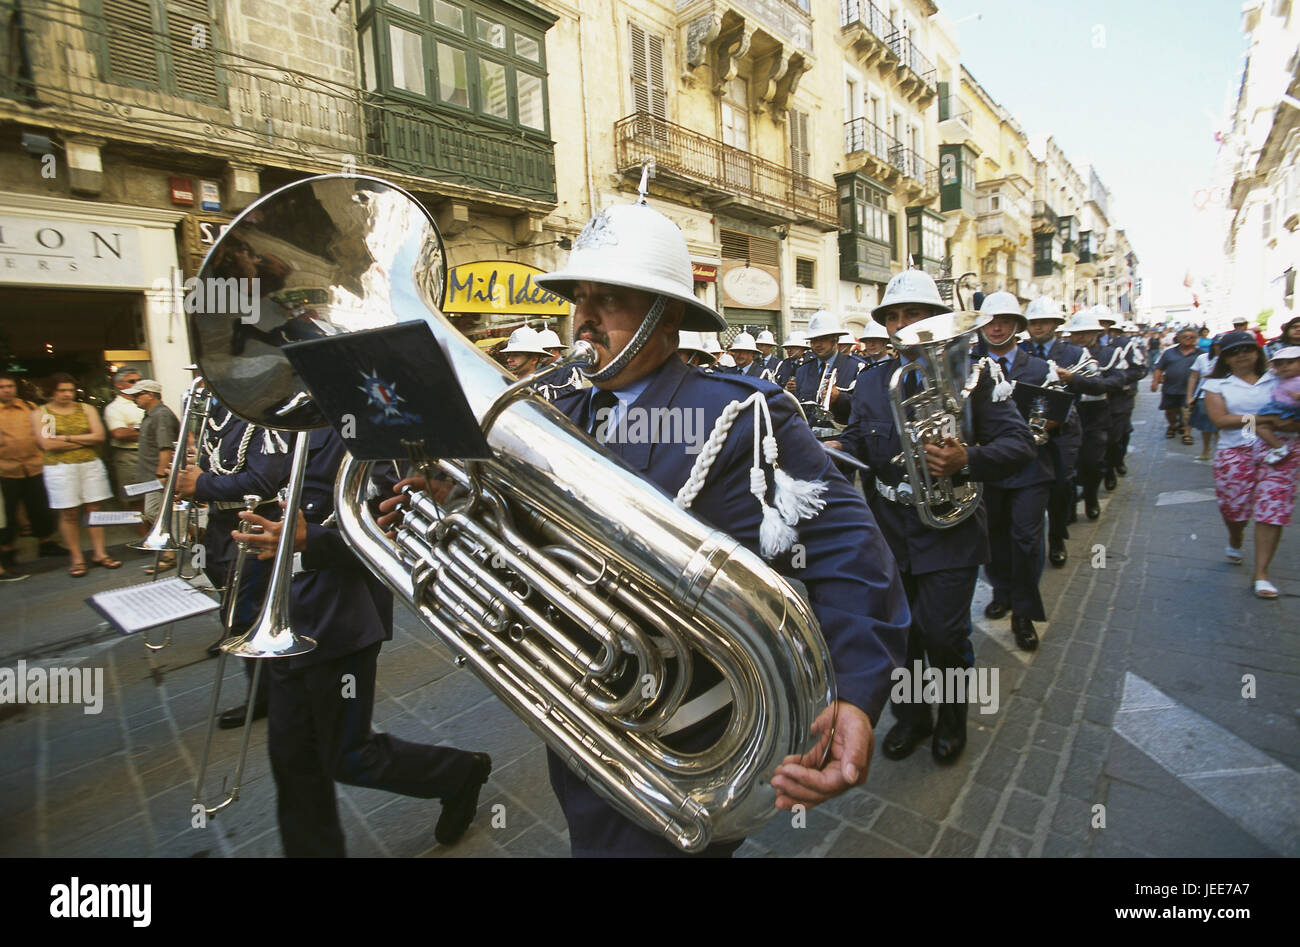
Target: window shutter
x=194, y=67
x=649, y=85
x=130, y=41
x=799, y=144
x=658, y=81
x=640, y=72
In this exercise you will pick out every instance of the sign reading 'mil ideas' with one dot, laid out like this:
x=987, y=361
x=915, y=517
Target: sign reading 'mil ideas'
x=500, y=286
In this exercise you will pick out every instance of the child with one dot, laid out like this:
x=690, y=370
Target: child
x=1285, y=403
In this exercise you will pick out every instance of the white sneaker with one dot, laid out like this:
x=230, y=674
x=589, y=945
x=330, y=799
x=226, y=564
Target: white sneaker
x=1233, y=554
x=1276, y=455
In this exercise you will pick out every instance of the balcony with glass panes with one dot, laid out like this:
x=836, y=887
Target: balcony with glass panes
x=864, y=228
x=925, y=241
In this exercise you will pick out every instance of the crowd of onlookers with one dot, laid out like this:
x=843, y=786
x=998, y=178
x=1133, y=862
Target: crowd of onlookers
x=1241, y=393
x=60, y=459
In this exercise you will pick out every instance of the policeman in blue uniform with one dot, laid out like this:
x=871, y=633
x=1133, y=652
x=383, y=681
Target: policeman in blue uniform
x=1133, y=362
x=1094, y=405
x=768, y=356
x=827, y=375
x=744, y=350
x=321, y=702
x=796, y=350
x=939, y=566
x=1015, y=505
x=235, y=459
x=875, y=344
x=629, y=276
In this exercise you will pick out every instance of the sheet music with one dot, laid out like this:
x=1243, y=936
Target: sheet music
x=114, y=518
x=151, y=604
x=145, y=486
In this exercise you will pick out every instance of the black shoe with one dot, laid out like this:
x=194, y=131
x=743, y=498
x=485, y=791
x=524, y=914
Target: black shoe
x=1121, y=469
x=50, y=548
x=458, y=810
x=1111, y=480
x=1023, y=629
x=906, y=735
x=996, y=609
x=14, y=576
x=233, y=718
x=1092, y=508
x=1058, y=555
x=949, y=733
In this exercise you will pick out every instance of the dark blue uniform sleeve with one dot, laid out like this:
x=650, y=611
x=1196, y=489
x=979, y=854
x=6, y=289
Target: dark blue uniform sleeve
x=1005, y=446
x=262, y=475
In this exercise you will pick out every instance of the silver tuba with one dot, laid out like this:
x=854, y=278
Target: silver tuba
x=573, y=588
x=937, y=411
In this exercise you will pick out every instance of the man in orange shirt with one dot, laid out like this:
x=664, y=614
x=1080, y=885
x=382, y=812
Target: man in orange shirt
x=22, y=478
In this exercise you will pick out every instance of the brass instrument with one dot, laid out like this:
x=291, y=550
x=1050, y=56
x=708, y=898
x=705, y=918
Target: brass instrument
x=572, y=587
x=251, y=503
x=937, y=412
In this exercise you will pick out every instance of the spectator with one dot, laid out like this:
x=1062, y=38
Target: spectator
x=1170, y=378
x=1197, y=417
x=1242, y=324
x=21, y=479
x=7, y=575
x=1245, y=485
x=1203, y=339
x=158, y=433
x=75, y=477
x=122, y=417
x=1290, y=336
x=1285, y=404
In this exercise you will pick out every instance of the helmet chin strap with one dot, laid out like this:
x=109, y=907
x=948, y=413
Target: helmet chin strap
x=634, y=346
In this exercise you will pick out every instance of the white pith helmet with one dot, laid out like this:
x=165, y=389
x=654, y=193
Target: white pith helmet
x=688, y=341
x=524, y=341
x=766, y=338
x=726, y=361
x=795, y=340
x=1102, y=314
x=1003, y=303
x=915, y=287
x=823, y=323
x=874, y=330
x=550, y=339
x=743, y=342
x=1044, y=307
x=846, y=339
x=635, y=246
x=1084, y=321
x=711, y=345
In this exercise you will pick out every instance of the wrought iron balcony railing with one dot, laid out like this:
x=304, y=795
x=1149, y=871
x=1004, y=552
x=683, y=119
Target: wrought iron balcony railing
x=867, y=14
x=952, y=107
x=67, y=68
x=911, y=57
x=861, y=135
x=727, y=173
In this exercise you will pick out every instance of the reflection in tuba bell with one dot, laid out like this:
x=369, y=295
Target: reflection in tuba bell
x=937, y=411
x=575, y=589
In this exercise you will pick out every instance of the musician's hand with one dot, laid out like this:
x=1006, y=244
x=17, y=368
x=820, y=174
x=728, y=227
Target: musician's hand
x=834, y=445
x=946, y=459
x=835, y=394
x=1051, y=425
x=1065, y=375
x=186, y=481
x=798, y=780
x=390, y=509
x=789, y=385
x=265, y=542
x=1153, y=385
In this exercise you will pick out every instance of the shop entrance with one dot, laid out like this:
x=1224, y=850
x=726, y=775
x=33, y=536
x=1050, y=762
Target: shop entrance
x=43, y=331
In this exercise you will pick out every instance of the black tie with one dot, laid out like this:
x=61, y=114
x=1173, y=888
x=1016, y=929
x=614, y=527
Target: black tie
x=911, y=384
x=601, y=401
x=1002, y=363
x=1042, y=352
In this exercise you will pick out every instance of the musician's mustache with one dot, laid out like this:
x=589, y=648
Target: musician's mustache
x=594, y=335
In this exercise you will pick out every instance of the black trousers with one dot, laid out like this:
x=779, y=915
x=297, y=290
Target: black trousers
x=30, y=493
x=320, y=732
x=1092, y=453
x=1117, y=436
x=1059, y=501
x=940, y=631
x=1016, y=541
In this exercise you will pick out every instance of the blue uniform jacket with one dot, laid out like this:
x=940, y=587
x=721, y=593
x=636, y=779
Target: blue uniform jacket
x=850, y=577
x=808, y=377
x=786, y=369
x=262, y=474
x=753, y=370
x=336, y=599
x=1003, y=447
x=1031, y=370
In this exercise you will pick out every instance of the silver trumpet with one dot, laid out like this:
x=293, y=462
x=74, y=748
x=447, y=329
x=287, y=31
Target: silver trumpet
x=251, y=502
x=937, y=412
x=577, y=591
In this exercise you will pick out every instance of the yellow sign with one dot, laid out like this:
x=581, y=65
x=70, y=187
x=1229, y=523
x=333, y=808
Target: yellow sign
x=500, y=286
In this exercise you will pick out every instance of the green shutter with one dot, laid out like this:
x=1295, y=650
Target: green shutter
x=191, y=38
x=950, y=177
x=130, y=42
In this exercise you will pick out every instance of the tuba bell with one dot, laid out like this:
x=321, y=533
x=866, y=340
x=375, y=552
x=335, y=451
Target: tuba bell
x=937, y=411
x=579, y=594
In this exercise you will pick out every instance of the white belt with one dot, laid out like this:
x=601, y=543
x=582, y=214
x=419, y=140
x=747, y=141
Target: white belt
x=1092, y=397
x=298, y=566
x=900, y=494
x=697, y=708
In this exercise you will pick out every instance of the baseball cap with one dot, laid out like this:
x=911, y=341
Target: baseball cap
x=1236, y=339
x=1289, y=351
x=144, y=384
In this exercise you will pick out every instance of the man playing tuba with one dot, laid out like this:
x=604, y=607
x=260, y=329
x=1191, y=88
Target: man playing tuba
x=629, y=277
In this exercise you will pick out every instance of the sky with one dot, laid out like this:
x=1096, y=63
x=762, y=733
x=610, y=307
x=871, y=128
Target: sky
x=1137, y=86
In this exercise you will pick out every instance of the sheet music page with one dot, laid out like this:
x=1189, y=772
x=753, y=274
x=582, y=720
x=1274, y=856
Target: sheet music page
x=114, y=518
x=151, y=604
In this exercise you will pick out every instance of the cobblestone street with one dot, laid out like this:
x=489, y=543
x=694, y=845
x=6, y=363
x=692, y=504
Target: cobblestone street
x=1133, y=702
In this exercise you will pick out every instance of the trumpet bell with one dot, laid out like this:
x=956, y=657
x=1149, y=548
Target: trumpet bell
x=268, y=641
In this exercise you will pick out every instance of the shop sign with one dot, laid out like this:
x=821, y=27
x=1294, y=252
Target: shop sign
x=750, y=287
x=704, y=272
x=182, y=191
x=500, y=286
x=46, y=251
x=209, y=195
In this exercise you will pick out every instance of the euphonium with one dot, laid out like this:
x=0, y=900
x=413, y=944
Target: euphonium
x=937, y=411
x=571, y=586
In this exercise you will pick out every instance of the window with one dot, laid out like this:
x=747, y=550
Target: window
x=1043, y=247
x=995, y=203
x=805, y=272
x=649, y=86
x=1267, y=211
x=799, y=144
x=925, y=241
x=456, y=55
x=168, y=46
x=735, y=114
